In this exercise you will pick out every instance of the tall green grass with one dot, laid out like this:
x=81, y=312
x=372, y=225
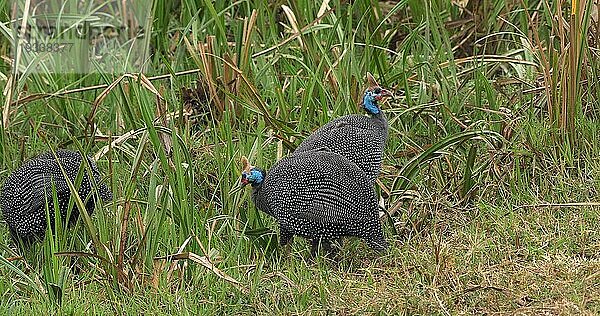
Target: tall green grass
x=472, y=138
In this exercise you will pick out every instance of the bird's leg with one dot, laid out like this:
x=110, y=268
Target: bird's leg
x=377, y=244
x=314, y=247
x=325, y=245
x=286, y=250
x=285, y=236
x=331, y=250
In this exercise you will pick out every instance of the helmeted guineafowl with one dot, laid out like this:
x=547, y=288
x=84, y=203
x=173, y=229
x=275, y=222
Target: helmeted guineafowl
x=319, y=195
x=27, y=190
x=359, y=138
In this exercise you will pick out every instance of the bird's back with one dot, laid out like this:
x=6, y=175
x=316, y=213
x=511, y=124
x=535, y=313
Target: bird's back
x=360, y=139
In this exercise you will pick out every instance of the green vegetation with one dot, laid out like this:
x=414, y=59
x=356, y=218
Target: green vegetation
x=490, y=179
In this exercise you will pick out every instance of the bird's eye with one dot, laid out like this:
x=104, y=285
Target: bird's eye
x=377, y=90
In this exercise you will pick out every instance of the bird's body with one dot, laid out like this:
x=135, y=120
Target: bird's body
x=359, y=138
x=324, y=190
x=319, y=195
x=28, y=190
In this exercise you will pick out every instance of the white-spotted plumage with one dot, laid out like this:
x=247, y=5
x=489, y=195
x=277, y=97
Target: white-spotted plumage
x=319, y=195
x=29, y=188
x=359, y=138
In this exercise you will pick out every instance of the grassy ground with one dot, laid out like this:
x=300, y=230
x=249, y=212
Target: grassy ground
x=491, y=190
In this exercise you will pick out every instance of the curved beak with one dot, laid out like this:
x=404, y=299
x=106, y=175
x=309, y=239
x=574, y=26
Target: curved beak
x=386, y=93
x=238, y=187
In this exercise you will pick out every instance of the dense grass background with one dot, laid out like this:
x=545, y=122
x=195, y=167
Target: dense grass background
x=490, y=178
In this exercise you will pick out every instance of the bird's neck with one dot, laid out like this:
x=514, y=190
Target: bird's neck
x=259, y=199
x=379, y=115
x=381, y=120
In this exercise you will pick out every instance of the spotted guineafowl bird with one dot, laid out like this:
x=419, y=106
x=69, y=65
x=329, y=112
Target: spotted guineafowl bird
x=359, y=138
x=27, y=190
x=319, y=195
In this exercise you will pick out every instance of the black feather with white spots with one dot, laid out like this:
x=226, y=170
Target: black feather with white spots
x=359, y=138
x=29, y=188
x=320, y=195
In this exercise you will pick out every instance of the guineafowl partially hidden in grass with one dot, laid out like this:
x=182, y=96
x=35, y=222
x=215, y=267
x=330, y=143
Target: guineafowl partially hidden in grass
x=359, y=138
x=319, y=195
x=27, y=190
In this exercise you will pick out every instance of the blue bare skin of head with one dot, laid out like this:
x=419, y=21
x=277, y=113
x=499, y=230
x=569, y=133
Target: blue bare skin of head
x=254, y=177
x=373, y=95
x=250, y=174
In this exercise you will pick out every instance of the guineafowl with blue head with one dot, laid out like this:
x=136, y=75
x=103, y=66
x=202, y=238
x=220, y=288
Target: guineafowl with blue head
x=359, y=138
x=318, y=195
x=28, y=190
